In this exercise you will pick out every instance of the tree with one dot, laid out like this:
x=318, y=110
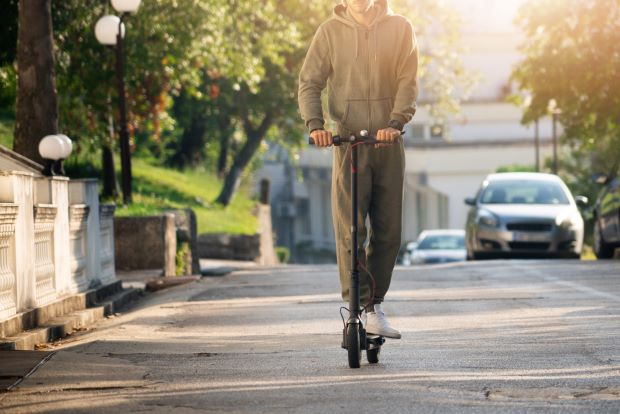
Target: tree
x=37, y=104
x=572, y=57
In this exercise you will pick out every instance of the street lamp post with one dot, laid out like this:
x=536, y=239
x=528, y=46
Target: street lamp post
x=537, y=144
x=110, y=31
x=555, y=112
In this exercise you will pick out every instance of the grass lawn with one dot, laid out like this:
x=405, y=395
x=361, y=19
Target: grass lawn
x=6, y=132
x=157, y=188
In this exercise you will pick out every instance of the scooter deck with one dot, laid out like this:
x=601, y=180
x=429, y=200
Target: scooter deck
x=374, y=341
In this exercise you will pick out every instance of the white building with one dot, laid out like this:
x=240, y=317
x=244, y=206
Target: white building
x=444, y=165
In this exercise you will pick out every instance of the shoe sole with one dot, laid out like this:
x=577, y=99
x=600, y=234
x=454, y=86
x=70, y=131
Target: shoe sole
x=391, y=336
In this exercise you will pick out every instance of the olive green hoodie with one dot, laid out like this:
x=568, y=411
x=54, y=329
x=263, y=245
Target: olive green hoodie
x=370, y=72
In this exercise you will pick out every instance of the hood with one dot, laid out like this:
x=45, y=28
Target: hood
x=439, y=256
x=537, y=211
x=341, y=13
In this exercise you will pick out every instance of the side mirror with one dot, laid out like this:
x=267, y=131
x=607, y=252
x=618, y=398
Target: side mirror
x=412, y=246
x=470, y=201
x=582, y=201
x=600, y=178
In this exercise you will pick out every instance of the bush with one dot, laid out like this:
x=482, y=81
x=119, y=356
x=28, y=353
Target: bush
x=183, y=252
x=283, y=253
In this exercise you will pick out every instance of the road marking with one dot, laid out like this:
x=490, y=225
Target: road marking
x=576, y=286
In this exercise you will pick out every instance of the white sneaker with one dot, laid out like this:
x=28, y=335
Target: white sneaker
x=378, y=324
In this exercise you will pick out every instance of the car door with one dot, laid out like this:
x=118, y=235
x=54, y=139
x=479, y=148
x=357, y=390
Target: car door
x=610, y=212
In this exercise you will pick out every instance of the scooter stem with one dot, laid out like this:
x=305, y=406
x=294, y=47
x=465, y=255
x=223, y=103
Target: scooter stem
x=354, y=289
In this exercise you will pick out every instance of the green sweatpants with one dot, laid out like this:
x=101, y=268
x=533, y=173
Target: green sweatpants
x=380, y=198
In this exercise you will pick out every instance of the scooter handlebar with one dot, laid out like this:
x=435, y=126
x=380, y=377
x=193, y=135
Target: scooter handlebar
x=337, y=140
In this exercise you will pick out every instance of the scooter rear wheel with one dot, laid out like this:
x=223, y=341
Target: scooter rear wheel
x=354, y=346
x=373, y=355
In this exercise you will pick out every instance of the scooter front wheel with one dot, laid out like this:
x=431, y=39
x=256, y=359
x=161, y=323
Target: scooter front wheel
x=354, y=345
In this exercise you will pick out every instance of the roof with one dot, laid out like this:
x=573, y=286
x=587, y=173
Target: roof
x=444, y=232
x=523, y=176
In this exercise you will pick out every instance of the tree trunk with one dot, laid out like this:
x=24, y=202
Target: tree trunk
x=233, y=177
x=243, y=158
x=225, y=133
x=222, y=159
x=110, y=185
x=37, y=104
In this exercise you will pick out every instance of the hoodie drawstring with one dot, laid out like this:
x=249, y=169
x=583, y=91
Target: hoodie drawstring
x=375, y=36
x=356, y=43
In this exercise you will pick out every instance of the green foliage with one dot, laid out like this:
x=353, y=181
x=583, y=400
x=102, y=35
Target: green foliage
x=6, y=131
x=157, y=189
x=442, y=73
x=283, y=253
x=8, y=32
x=8, y=90
x=183, y=252
x=516, y=168
x=572, y=58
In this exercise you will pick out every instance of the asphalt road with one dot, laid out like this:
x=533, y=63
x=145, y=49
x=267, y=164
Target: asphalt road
x=490, y=337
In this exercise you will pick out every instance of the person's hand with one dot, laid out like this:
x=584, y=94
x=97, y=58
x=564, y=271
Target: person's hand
x=388, y=135
x=321, y=138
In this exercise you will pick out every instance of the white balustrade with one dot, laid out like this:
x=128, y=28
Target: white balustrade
x=44, y=266
x=8, y=300
x=106, y=220
x=62, y=247
x=44, y=269
x=55, y=240
x=78, y=216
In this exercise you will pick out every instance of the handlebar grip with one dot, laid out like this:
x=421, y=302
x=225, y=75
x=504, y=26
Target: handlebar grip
x=335, y=140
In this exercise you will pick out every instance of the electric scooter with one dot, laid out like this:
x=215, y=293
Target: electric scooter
x=354, y=336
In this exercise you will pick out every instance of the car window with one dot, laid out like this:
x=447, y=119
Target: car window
x=524, y=192
x=445, y=242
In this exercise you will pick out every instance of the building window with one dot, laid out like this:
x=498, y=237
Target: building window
x=437, y=131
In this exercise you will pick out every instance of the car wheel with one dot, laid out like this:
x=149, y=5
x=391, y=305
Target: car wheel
x=602, y=250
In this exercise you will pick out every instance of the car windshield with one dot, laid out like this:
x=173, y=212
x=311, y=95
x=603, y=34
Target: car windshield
x=442, y=242
x=524, y=192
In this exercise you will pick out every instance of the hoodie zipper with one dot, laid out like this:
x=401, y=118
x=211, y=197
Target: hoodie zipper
x=369, y=79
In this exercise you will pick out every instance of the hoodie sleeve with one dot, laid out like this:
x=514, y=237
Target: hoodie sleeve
x=406, y=74
x=313, y=79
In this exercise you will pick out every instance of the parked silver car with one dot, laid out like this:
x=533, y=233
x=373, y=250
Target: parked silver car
x=436, y=246
x=524, y=215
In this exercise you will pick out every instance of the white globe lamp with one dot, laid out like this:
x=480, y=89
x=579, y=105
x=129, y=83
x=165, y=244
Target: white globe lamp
x=126, y=6
x=67, y=146
x=106, y=30
x=51, y=149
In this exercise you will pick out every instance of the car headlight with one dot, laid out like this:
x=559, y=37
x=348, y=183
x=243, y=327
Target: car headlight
x=488, y=219
x=565, y=221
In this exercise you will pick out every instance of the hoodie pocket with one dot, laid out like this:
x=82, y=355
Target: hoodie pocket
x=380, y=111
x=373, y=114
x=355, y=117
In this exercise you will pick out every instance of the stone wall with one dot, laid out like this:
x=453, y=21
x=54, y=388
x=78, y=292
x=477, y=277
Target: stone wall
x=258, y=247
x=229, y=247
x=146, y=243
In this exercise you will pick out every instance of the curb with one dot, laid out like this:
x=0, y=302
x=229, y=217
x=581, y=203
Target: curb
x=98, y=304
